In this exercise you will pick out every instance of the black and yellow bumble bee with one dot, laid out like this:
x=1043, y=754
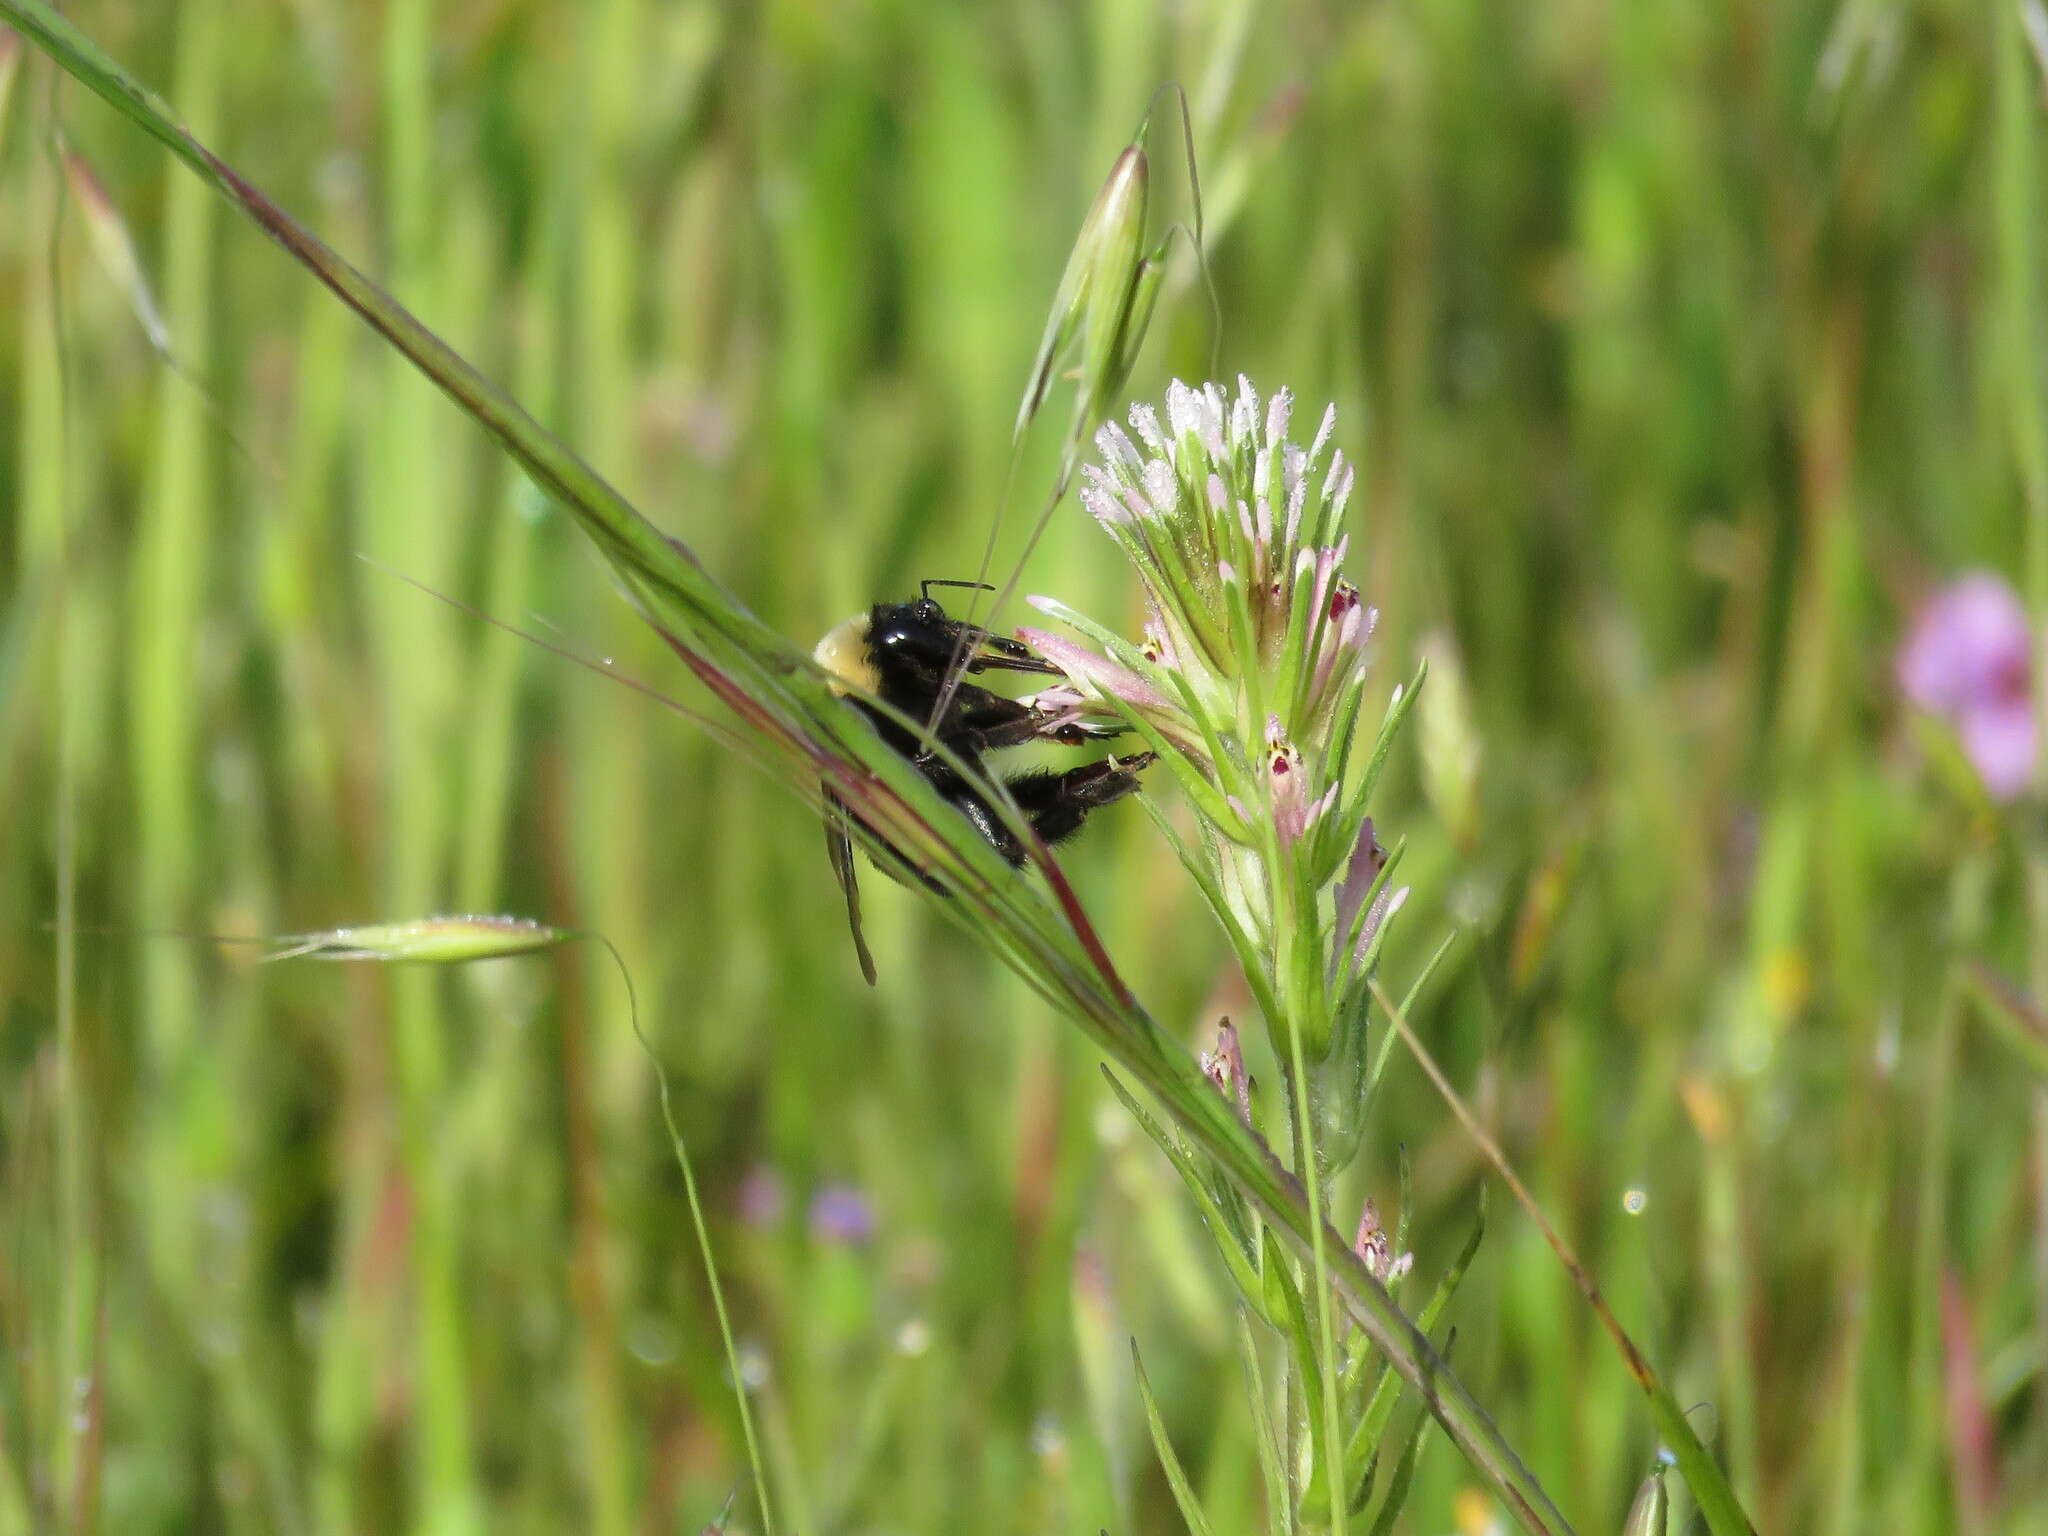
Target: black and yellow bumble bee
x=913, y=658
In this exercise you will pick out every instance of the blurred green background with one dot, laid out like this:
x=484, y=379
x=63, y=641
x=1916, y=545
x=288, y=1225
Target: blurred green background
x=1682, y=346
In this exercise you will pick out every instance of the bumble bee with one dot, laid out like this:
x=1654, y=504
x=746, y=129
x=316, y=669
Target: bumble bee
x=912, y=657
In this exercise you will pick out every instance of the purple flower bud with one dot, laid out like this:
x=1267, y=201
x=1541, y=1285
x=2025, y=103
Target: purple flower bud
x=1244, y=410
x=1061, y=709
x=1161, y=489
x=1373, y=1247
x=841, y=1214
x=1970, y=660
x=2000, y=742
x=1371, y=1243
x=1368, y=858
x=1225, y=1068
x=1103, y=507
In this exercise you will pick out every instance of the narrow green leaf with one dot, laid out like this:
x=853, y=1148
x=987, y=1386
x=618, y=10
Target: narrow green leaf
x=1176, y=1478
x=1383, y=745
x=1404, y=1475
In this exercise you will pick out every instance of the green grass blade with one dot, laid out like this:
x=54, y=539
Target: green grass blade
x=1397, y=1487
x=45, y=496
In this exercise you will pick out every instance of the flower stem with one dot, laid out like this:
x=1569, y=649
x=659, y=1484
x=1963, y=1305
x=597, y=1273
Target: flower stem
x=1305, y=1160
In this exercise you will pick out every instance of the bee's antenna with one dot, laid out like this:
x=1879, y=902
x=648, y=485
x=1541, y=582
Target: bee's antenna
x=940, y=581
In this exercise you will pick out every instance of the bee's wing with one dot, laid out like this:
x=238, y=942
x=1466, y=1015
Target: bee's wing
x=839, y=849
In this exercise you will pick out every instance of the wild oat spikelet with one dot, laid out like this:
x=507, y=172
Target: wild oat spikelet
x=425, y=941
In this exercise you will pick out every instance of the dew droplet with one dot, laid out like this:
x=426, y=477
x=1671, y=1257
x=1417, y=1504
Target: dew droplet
x=753, y=1364
x=652, y=1341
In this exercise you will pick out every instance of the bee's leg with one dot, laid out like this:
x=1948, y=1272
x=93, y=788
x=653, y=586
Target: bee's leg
x=980, y=721
x=990, y=722
x=1054, y=803
x=1057, y=803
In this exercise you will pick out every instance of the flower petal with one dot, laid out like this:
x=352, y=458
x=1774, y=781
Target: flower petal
x=1083, y=665
x=2000, y=740
x=1971, y=641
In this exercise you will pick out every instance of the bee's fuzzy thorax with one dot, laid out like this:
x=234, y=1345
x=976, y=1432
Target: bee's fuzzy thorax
x=843, y=653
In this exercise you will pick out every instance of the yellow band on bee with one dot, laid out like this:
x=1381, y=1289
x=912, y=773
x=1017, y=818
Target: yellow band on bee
x=844, y=654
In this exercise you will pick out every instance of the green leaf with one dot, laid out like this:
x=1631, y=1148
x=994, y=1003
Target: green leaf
x=1176, y=1479
x=1398, y=1485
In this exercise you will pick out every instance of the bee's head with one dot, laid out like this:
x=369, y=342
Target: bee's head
x=915, y=640
x=916, y=633
x=920, y=634
x=920, y=613
x=900, y=641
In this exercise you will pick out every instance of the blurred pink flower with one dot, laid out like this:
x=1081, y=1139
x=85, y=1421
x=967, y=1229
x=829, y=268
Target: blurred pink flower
x=1970, y=660
x=762, y=1198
